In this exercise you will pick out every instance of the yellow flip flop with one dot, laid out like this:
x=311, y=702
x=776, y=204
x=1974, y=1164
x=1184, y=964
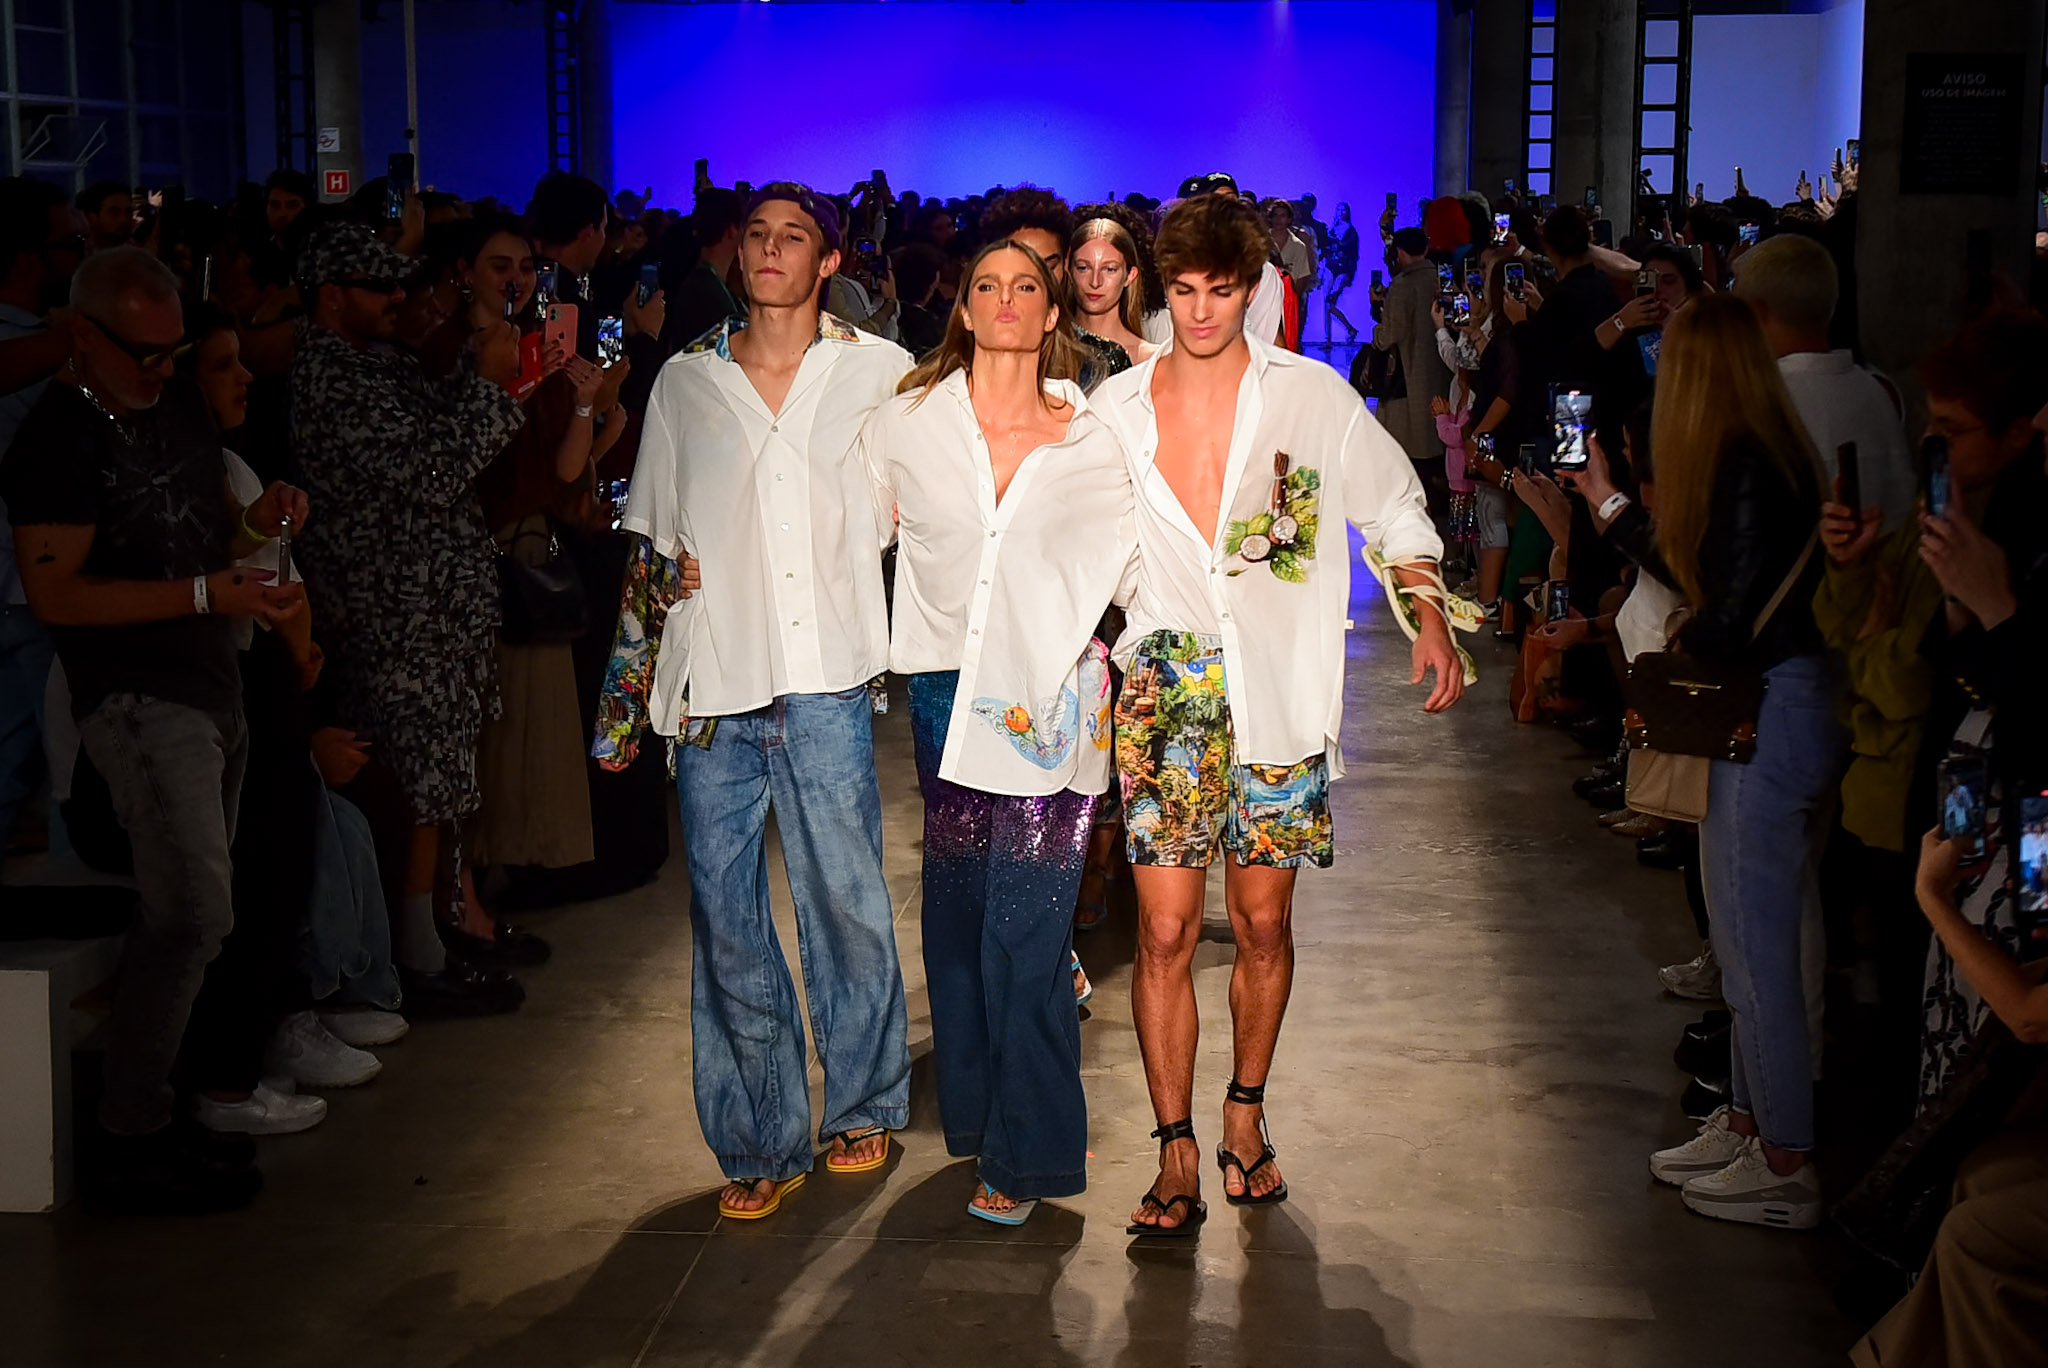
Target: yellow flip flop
x=852, y=1138
x=774, y=1203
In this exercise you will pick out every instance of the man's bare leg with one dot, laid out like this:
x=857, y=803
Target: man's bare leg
x=1163, y=1006
x=1260, y=900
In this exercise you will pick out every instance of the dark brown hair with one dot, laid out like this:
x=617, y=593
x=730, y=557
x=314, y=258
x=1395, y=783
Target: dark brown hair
x=1220, y=236
x=1996, y=366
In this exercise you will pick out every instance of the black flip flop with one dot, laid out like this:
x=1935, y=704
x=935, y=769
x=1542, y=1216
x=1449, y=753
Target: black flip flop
x=1226, y=1161
x=1198, y=1210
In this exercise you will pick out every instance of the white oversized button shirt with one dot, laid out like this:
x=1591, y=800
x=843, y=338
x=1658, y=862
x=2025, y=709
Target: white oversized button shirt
x=777, y=508
x=1282, y=633
x=1008, y=593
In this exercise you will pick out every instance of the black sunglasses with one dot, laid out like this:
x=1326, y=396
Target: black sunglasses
x=144, y=357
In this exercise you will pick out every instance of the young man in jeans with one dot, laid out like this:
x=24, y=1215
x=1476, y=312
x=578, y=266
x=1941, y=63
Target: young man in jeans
x=1248, y=460
x=747, y=464
x=124, y=532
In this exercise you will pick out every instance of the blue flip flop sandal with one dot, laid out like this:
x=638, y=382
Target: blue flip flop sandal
x=1015, y=1216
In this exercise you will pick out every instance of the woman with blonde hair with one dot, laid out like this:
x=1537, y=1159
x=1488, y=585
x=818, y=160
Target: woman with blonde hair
x=1739, y=491
x=1104, y=264
x=1012, y=507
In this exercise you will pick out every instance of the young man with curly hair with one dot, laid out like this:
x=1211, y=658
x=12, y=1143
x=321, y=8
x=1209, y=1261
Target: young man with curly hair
x=1247, y=461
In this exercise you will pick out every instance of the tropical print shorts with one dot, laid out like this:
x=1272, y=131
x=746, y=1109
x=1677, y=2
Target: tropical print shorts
x=1183, y=791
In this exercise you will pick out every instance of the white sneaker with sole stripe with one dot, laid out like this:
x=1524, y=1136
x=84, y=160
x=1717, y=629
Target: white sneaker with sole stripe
x=1748, y=1191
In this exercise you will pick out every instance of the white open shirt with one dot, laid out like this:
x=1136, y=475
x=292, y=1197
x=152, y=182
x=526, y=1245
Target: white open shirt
x=1006, y=593
x=1283, y=642
x=777, y=508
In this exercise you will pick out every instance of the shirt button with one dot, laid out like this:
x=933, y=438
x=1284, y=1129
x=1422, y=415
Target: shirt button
x=789, y=574
x=984, y=584
x=991, y=533
x=794, y=623
x=775, y=427
x=785, y=527
x=778, y=474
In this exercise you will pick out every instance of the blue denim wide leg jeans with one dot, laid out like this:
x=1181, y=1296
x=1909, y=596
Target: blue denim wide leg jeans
x=810, y=757
x=1000, y=877
x=1757, y=847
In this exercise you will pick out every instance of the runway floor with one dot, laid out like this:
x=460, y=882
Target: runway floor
x=1474, y=1069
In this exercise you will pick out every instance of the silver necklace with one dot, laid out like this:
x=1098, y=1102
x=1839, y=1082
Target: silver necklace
x=120, y=427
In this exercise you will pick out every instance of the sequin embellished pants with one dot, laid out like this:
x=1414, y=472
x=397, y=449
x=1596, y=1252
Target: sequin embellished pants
x=1000, y=877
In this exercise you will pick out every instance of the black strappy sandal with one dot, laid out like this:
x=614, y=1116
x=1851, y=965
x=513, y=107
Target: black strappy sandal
x=1226, y=1161
x=1198, y=1210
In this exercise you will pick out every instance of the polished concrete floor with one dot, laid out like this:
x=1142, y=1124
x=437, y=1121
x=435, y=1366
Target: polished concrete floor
x=1474, y=1068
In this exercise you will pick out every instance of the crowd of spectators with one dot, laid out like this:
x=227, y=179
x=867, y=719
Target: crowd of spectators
x=313, y=580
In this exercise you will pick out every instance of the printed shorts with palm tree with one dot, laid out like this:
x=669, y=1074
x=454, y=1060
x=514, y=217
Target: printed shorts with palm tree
x=1183, y=791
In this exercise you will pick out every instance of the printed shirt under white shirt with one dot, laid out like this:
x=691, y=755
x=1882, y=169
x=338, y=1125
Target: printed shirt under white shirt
x=776, y=507
x=1008, y=592
x=1283, y=641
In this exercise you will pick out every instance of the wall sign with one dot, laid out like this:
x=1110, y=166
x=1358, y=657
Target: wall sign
x=330, y=142
x=1962, y=123
x=336, y=183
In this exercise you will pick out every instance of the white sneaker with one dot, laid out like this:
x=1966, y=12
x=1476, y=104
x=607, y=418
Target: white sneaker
x=309, y=1053
x=1748, y=1191
x=363, y=1027
x=1712, y=1150
x=1698, y=979
x=266, y=1112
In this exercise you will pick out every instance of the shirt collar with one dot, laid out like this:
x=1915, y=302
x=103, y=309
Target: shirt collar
x=719, y=339
x=1263, y=354
x=1067, y=390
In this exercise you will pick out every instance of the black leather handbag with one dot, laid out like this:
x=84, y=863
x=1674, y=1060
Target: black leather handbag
x=540, y=605
x=1679, y=705
x=1377, y=374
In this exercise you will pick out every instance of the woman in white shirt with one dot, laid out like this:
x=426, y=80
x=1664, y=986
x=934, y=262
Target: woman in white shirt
x=1011, y=501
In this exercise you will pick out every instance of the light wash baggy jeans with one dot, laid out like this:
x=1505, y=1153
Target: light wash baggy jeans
x=811, y=757
x=1758, y=845
x=175, y=776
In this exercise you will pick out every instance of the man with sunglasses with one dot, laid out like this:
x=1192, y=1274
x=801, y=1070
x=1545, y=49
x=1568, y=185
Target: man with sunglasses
x=125, y=537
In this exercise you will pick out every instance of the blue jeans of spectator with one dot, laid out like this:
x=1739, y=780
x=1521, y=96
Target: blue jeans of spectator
x=809, y=757
x=1000, y=877
x=1757, y=848
x=25, y=655
x=175, y=776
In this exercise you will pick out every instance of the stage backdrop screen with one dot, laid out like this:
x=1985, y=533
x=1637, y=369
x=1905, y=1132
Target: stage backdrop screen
x=1335, y=97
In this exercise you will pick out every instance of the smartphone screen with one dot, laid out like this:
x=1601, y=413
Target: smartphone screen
x=1446, y=279
x=1748, y=233
x=1510, y=184
x=1482, y=445
x=2033, y=870
x=1393, y=200
x=1592, y=197
x=1850, y=472
x=650, y=281
x=511, y=301
x=1934, y=456
x=1571, y=417
x=611, y=339
x=1525, y=457
x=1855, y=151
x=1379, y=279
x=1500, y=227
x=1646, y=282
x=544, y=281
x=1475, y=284
x=1460, y=312
x=1513, y=279
x=1557, y=602
x=1963, y=783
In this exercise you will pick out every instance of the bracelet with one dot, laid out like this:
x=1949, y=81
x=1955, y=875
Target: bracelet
x=1611, y=506
x=202, y=599
x=584, y=410
x=253, y=533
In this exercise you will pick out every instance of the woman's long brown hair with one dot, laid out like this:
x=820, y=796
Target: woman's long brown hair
x=1059, y=351
x=1718, y=387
